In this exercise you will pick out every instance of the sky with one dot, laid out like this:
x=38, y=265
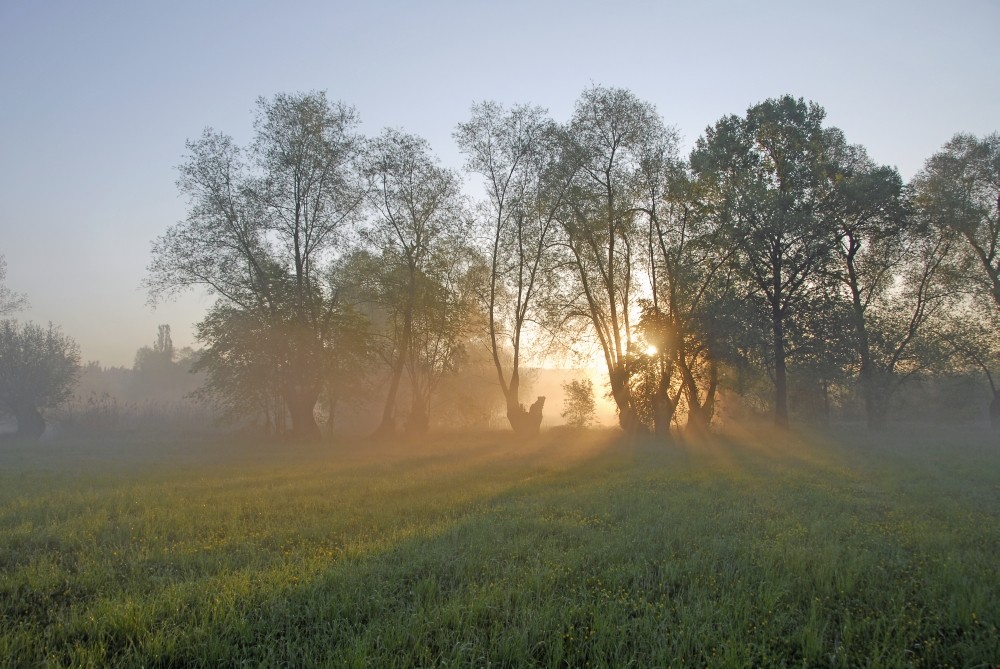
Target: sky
x=98, y=98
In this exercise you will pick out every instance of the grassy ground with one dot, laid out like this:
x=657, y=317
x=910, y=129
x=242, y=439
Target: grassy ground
x=574, y=550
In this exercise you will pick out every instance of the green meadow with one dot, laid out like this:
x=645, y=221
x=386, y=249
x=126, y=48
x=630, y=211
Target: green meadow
x=578, y=549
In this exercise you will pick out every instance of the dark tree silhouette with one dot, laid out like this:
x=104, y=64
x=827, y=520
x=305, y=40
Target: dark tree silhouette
x=515, y=151
x=764, y=175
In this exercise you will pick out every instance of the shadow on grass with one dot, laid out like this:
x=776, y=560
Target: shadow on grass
x=732, y=552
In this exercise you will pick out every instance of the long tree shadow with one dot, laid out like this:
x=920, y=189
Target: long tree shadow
x=561, y=553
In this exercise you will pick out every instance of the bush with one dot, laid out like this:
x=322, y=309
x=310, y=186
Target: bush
x=579, y=406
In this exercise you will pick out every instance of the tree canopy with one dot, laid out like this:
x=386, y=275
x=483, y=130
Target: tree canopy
x=777, y=267
x=38, y=367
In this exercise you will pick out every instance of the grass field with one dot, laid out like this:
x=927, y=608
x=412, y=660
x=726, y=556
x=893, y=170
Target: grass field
x=574, y=550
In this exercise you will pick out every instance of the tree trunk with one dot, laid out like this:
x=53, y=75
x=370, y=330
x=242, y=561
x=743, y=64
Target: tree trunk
x=827, y=411
x=628, y=419
x=663, y=413
x=387, y=427
x=700, y=411
x=875, y=413
x=30, y=424
x=664, y=406
x=780, y=373
x=995, y=411
x=301, y=404
x=876, y=401
x=331, y=412
x=525, y=422
x=700, y=415
x=418, y=422
x=874, y=410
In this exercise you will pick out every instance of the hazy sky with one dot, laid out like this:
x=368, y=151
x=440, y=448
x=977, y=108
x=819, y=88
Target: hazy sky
x=98, y=99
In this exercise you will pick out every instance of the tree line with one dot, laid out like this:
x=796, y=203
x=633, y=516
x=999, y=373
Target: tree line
x=775, y=247
x=776, y=255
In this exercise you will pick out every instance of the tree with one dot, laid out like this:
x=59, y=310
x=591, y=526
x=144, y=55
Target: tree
x=154, y=360
x=515, y=151
x=242, y=366
x=766, y=174
x=971, y=336
x=958, y=191
x=38, y=368
x=419, y=228
x=610, y=135
x=691, y=296
x=9, y=300
x=263, y=227
x=350, y=350
x=901, y=343
x=579, y=406
x=873, y=244
x=162, y=373
x=443, y=322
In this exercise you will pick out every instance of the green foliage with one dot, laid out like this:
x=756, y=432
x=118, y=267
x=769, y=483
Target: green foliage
x=768, y=551
x=764, y=179
x=579, y=405
x=618, y=150
x=419, y=234
x=38, y=368
x=959, y=191
x=777, y=260
x=264, y=225
x=517, y=152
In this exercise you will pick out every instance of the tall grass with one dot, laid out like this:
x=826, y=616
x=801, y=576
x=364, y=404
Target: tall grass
x=576, y=549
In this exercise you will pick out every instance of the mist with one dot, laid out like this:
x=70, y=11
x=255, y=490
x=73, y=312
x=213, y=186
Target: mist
x=548, y=335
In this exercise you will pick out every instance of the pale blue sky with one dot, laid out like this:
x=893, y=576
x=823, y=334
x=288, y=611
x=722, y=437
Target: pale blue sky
x=97, y=99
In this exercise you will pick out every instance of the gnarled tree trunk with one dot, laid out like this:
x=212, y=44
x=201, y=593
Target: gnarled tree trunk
x=628, y=419
x=663, y=413
x=301, y=404
x=526, y=422
x=701, y=411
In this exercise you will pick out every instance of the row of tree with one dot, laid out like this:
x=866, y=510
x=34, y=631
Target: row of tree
x=341, y=261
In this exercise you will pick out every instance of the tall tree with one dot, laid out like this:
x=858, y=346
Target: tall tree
x=162, y=373
x=902, y=344
x=263, y=225
x=418, y=224
x=958, y=190
x=444, y=322
x=610, y=135
x=766, y=171
x=514, y=151
x=690, y=280
x=874, y=243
